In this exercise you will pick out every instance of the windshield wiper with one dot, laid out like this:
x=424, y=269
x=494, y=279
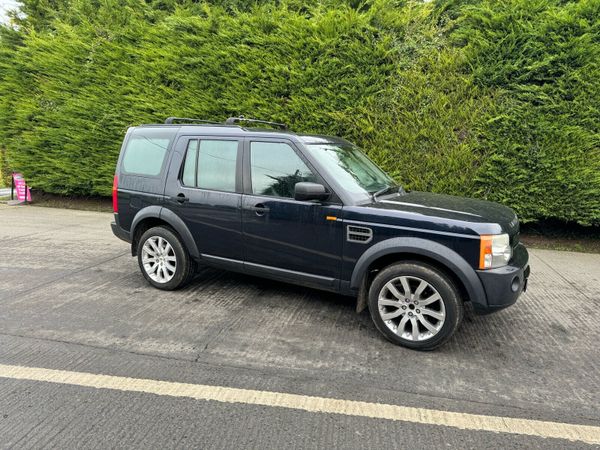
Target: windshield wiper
x=382, y=191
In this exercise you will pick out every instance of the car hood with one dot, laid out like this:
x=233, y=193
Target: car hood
x=451, y=208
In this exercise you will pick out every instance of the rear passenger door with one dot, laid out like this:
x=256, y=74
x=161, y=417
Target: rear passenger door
x=206, y=194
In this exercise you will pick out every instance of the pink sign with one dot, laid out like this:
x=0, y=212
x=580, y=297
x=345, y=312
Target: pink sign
x=21, y=188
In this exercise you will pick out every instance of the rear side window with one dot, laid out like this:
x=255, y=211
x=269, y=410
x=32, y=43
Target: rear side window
x=146, y=150
x=211, y=164
x=189, y=166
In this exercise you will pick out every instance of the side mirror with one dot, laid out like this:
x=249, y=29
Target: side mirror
x=310, y=191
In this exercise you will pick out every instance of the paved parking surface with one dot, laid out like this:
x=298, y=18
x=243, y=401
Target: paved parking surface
x=72, y=299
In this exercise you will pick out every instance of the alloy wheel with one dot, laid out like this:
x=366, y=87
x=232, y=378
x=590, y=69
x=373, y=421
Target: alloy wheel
x=411, y=308
x=158, y=259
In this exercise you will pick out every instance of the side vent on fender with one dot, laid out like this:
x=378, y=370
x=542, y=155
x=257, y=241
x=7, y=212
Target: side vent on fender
x=361, y=235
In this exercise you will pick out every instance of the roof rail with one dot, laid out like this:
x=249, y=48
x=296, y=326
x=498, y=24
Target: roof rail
x=171, y=120
x=233, y=120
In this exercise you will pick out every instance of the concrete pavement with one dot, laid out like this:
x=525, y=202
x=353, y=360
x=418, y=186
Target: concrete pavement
x=72, y=299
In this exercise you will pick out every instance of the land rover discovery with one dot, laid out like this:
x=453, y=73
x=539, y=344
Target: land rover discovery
x=315, y=211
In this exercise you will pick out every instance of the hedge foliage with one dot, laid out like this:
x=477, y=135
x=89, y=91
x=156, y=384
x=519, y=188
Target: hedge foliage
x=499, y=100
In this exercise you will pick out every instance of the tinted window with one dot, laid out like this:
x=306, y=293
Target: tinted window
x=217, y=164
x=211, y=165
x=276, y=168
x=146, y=150
x=189, y=168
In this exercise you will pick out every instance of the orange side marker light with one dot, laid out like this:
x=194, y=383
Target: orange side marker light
x=485, y=252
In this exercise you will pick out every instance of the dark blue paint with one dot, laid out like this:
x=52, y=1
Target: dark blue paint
x=293, y=235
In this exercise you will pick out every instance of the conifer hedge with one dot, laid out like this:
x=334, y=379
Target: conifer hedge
x=497, y=100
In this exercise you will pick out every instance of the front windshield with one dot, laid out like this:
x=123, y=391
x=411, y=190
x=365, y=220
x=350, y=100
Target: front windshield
x=350, y=167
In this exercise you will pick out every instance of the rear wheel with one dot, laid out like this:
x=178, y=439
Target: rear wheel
x=163, y=259
x=414, y=305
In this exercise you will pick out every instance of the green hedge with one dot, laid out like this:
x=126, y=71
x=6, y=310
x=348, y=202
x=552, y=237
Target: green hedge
x=491, y=99
x=543, y=60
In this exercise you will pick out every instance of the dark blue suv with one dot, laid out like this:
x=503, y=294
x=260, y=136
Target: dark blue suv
x=315, y=211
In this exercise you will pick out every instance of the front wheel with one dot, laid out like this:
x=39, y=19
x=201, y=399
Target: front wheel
x=163, y=259
x=414, y=305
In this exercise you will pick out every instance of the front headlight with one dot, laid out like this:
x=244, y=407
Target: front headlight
x=494, y=251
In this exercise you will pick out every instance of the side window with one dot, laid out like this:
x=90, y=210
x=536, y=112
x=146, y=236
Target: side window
x=217, y=164
x=146, y=150
x=189, y=166
x=210, y=164
x=276, y=168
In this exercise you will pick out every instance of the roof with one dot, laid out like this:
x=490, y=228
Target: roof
x=321, y=139
x=237, y=130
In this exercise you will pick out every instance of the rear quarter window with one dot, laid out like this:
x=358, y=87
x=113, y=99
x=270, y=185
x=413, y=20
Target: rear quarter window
x=146, y=150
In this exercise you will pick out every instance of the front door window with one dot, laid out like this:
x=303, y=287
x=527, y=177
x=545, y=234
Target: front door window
x=276, y=168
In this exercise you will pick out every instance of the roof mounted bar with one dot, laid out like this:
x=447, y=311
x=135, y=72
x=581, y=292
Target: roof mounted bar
x=171, y=120
x=233, y=120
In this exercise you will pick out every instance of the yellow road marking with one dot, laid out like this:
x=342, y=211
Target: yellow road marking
x=463, y=421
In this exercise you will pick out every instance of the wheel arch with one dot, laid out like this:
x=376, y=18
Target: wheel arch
x=439, y=256
x=153, y=216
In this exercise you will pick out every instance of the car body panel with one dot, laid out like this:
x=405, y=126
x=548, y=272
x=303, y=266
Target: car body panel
x=408, y=248
x=290, y=234
x=293, y=235
x=212, y=217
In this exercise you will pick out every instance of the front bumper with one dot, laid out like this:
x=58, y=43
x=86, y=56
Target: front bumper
x=504, y=285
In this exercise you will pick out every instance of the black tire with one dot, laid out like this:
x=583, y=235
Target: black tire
x=185, y=266
x=413, y=272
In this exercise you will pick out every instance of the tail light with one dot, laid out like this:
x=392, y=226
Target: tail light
x=114, y=194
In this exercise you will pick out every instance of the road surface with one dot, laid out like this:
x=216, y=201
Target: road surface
x=91, y=356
